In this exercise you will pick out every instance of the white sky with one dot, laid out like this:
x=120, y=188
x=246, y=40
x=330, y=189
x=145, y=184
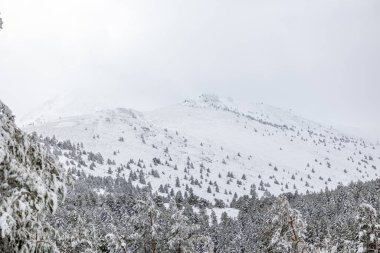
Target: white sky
x=320, y=58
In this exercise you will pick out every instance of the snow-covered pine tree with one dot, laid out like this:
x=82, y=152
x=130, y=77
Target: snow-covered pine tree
x=115, y=244
x=182, y=232
x=329, y=246
x=145, y=224
x=82, y=238
x=286, y=229
x=369, y=229
x=30, y=186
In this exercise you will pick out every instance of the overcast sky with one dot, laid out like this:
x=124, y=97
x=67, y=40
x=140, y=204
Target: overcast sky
x=319, y=58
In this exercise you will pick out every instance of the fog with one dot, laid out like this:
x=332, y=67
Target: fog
x=319, y=58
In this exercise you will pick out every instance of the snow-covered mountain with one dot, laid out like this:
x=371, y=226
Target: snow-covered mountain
x=217, y=147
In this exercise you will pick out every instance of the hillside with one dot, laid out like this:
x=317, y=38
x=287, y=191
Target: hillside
x=216, y=147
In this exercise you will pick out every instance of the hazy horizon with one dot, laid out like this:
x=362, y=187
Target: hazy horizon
x=320, y=59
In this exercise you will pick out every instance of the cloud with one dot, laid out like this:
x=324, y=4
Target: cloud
x=320, y=58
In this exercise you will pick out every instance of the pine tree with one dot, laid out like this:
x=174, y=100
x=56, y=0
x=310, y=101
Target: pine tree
x=286, y=231
x=182, y=232
x=369, y=229
x=31, y=185
x=145, y=224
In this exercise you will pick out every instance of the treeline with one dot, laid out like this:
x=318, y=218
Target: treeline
x=340, y=220
x=111, y=215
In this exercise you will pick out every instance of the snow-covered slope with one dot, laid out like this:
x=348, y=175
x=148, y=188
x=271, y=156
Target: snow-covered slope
x=218, y=147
